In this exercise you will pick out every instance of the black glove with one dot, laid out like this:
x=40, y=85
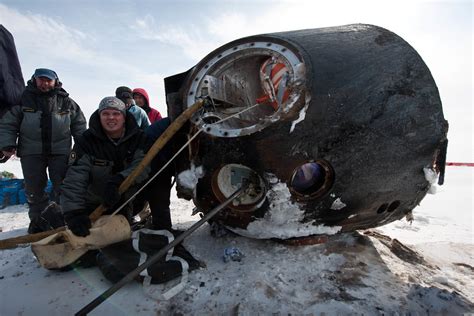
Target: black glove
x=78, y=222
x=111, y=191
x=53, y=215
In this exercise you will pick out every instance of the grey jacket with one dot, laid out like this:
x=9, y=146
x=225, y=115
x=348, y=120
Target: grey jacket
x=43, y=123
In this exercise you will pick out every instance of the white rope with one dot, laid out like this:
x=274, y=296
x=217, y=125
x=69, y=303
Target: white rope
x=177, y=153
x=235, y=114
x=157, y=173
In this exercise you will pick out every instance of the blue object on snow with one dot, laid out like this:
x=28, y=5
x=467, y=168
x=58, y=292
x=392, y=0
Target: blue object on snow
x=12, y=192
x=9, y=189
x=232, y=253
x=21, y=196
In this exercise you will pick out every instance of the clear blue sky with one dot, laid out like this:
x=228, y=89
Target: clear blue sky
x=96, y=46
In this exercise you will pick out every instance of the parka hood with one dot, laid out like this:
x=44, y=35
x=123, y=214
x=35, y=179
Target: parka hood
x=144, y=94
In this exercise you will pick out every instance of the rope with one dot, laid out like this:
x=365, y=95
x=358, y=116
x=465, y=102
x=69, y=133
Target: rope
x=158, y=172
x=233, y=115
x=177, y=153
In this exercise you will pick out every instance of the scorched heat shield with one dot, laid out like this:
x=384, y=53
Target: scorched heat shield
x=336, y=129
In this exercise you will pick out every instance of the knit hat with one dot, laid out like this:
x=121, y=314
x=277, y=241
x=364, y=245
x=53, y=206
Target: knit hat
x=43, y=72
x=123, y=93
x=112, y=103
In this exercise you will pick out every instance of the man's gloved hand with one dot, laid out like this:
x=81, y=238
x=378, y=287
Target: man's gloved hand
x=111, y=191
x=78, y=222
x=53, y=216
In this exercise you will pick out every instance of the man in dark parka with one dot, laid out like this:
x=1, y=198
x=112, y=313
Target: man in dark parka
x=101, y=159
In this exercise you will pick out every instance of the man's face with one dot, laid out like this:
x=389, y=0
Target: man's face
x=44, y=84
x=113, y=122
x=139, y=100
x=128, y=102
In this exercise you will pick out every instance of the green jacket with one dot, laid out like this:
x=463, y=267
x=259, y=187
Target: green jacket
x=43, y=123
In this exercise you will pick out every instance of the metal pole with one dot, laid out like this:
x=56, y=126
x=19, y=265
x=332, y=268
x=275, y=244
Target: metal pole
x=130, y=276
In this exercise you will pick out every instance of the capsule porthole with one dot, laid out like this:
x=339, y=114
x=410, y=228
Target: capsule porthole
x=312, y=179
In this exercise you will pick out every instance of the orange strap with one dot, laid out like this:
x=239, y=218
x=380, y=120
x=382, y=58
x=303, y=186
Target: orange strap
x=460, y=164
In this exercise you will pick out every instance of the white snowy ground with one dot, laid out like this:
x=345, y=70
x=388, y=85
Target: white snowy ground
x=350, y=274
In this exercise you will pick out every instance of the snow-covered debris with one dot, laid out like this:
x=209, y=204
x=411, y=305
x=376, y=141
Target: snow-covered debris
x=283, y=218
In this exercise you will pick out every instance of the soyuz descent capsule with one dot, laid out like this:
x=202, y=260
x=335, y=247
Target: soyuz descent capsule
x=336, y=129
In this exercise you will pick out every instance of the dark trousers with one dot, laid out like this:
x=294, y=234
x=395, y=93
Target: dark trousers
x=34, y=171
x=157, y=193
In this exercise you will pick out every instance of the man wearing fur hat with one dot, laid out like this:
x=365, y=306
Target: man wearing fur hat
x=39, y=131
x=101, y=159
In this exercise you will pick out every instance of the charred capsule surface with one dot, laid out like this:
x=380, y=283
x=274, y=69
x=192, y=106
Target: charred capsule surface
x=332, y=127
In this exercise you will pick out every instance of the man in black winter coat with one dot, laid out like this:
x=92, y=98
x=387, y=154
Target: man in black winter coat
x=101, y=159
x=39, y=131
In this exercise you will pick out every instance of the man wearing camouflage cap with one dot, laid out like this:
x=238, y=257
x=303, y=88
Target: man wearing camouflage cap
x=101, y=159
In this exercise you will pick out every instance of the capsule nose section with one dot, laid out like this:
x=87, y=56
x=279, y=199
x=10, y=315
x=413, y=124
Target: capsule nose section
x=328, y=126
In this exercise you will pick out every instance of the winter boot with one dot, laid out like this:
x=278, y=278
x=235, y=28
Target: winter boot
x=50, y=218
x=35, y=225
